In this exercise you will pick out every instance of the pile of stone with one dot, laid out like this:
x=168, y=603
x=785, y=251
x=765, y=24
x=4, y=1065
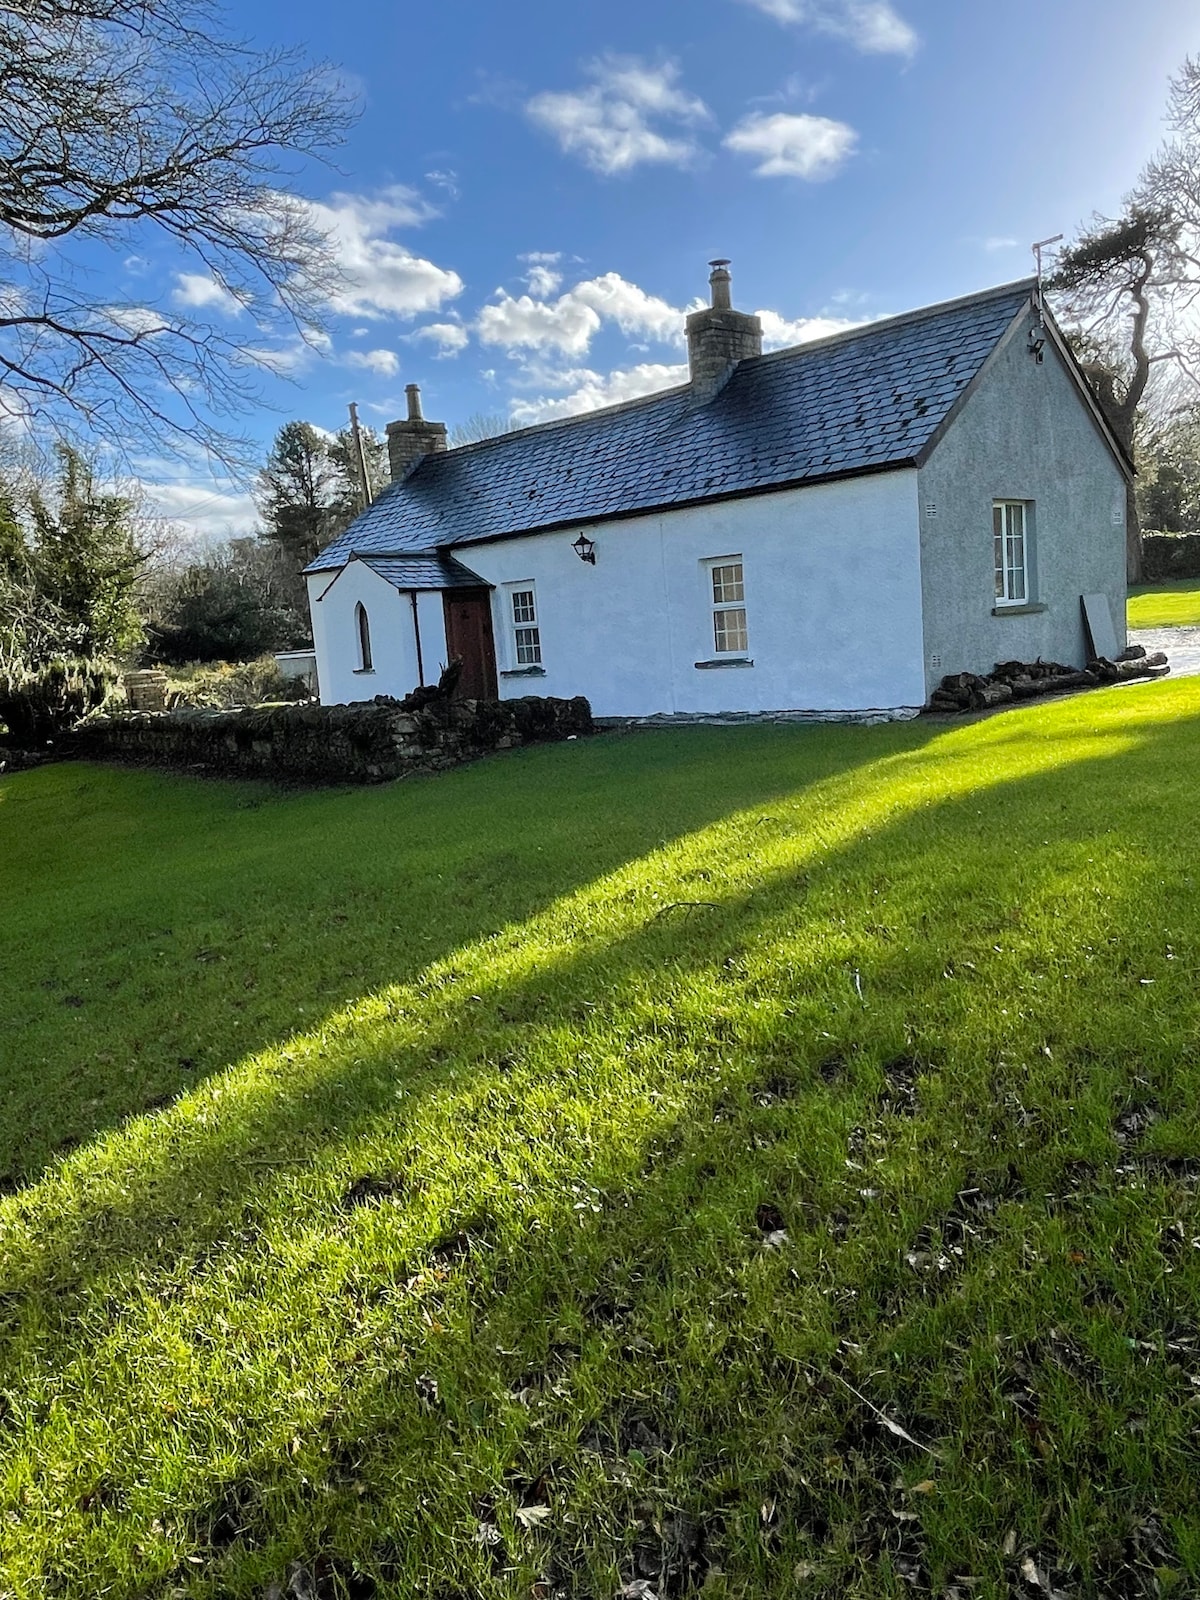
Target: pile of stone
x=1027, y=680
x=146, y=690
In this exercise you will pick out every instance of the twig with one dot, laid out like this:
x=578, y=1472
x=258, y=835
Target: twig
x=690, y=905
x=892, y=1427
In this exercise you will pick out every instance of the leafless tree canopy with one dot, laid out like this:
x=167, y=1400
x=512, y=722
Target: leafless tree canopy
x=1132, y=284
x=124, y=118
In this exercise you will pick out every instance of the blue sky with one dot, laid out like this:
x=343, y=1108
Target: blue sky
x=527, y=204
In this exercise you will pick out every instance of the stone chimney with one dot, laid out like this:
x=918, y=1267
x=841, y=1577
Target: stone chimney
x=719, y=337
x=409, y=441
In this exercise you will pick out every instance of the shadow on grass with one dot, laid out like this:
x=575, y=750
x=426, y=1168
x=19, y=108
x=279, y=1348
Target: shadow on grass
x=158, y=929
x=589, y=1122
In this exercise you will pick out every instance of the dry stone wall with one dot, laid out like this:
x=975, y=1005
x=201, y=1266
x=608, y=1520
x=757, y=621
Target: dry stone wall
x=368, y=742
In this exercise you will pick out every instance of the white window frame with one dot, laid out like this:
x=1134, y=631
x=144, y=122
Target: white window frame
x=1012, y=552
x=724, y=606
x=523, y=628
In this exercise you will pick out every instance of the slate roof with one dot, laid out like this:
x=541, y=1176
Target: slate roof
x=424, y=572
x=862, y=401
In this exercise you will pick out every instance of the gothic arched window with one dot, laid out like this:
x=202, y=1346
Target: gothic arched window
x=364, y=638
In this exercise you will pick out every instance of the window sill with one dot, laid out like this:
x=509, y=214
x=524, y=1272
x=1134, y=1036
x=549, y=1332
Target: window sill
x=524, y=672
x=364, y=672
x=725, y=661
x=1022, y=610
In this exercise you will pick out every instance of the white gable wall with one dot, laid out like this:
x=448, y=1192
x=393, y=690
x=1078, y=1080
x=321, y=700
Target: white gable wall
x=833, y=603
x=393, y=647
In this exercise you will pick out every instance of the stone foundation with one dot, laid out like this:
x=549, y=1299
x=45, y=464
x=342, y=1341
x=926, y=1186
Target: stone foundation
x=368, y=742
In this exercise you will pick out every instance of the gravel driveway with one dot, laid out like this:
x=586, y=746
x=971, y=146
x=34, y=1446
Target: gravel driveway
x=1182, y=647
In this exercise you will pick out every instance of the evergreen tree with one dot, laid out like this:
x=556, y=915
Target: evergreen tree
x=309, y=490
x=87, y=560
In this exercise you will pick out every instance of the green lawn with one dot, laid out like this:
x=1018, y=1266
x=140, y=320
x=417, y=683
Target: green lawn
x=754, y=1161
x=1165, y=605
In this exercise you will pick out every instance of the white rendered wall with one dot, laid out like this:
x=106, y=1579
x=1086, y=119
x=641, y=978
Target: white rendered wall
x=833, y=602
x=393, y=647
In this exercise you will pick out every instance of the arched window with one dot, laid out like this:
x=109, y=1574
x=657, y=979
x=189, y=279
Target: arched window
x=364, y=638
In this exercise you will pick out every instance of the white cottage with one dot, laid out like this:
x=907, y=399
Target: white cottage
x=827, y=528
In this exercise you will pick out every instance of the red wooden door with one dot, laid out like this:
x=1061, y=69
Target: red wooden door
x=469, y=637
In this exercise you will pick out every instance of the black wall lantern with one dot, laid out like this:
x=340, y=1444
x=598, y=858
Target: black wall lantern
x=585, y=549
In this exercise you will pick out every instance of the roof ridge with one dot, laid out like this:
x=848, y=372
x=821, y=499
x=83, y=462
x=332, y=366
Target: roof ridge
x=860, y=330
x=561, y=422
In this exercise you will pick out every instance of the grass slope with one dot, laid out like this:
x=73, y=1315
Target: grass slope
x=756, y=1160
x=1165, y=605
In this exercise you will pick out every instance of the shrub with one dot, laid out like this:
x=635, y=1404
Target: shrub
x=36, y=703
x=1170, y=555
x=224, y=684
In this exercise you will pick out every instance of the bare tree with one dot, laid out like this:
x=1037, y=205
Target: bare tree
x=1107, y=283
x=480, y=425
x=128, y=118
x=1133, y=283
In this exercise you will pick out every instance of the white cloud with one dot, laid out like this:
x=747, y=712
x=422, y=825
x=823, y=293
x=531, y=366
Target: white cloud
x=790, y=146
x=873, y=26
x=592, y=390
x=383, y=363
x=523, y=323
x=382, y=277
x=444, y=180
x=999, y=243
x=543, y=276
x=204, y=513
x=289, y=359
x=614, y=123
x=633, y=310
x=779, y=333
x=569, y=323
x=450, y=337
x=140, y=321
x=199, y=290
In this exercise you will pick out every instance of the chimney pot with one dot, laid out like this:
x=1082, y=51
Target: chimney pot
x=719, y=280
x=719, y=337
x=413, y=391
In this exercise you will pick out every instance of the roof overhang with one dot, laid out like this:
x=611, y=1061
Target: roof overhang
x=378, y=562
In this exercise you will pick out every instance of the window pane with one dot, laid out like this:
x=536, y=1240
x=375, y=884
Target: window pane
x=1008, y=541
x=729, y=629
x=727, y=583
x=529, y=647
x=523, y=607
x=1015, y=515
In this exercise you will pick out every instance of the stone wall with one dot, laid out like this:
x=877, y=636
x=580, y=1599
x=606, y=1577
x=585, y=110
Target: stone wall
x=364, y=743
x=1170, y=555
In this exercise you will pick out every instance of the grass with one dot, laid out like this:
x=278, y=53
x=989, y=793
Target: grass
x=758, y=1160
x=1165, y=605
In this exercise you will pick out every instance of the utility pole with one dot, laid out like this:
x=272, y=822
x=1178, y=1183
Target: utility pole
x=362, y=457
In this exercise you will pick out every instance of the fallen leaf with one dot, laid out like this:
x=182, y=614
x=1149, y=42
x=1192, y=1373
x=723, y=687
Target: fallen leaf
x=927, y=1487
x=532, y=1516
x=1033, y=1577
